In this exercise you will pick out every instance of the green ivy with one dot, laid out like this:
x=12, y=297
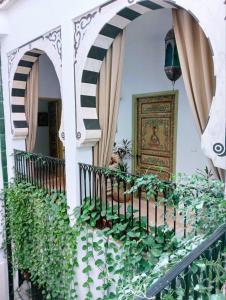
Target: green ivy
x=44, y=243
x=127, y=259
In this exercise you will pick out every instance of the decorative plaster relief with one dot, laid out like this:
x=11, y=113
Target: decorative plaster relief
x=55, y=38
x=81, y=28
x=5, y=3
x=11, y=57
x=220, y=149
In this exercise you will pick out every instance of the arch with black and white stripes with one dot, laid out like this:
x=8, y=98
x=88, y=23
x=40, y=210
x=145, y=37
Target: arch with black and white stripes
x=97, y=54
x=20, y=125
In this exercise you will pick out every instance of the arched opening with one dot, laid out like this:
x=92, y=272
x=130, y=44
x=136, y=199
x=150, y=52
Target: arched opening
x=154, y=119
x=36, y=115
x=49, y=111
x=158, y=16
x=36, y=104
x=159, y=121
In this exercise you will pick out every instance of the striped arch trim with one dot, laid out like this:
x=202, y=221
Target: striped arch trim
x=18, y=91
x=97, y=54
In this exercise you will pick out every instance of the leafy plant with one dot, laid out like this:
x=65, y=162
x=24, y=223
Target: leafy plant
x=201, y=201
x=124, y=151
x=128, y=259
x=43, y=241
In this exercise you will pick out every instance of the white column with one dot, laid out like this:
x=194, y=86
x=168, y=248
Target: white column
x=73, y=155
x=4, y=293
x=68, y=102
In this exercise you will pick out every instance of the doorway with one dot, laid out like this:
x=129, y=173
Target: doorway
x=49, y=118
x=155, y=133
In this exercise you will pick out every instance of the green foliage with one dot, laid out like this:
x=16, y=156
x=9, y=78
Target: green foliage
x=138, y=259
x=124, y=152
x=43, y=241
x=127, y=258
x=202, y=201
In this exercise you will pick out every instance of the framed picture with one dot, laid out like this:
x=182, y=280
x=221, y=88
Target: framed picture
x=43, y=119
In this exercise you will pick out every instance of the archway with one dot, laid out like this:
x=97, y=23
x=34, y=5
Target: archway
x=23, y=69
x=96, y=55
x=49, y=102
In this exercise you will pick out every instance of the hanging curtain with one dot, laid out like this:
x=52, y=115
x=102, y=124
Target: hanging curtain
x=108, y=98
x=31, y=106
x=197, y=68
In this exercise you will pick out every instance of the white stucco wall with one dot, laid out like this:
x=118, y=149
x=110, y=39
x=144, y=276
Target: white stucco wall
x=49, y=86
x=143, y=72
x=3, y=262
x=26, y=20
x=29, y=19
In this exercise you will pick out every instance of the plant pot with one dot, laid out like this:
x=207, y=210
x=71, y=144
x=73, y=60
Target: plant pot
x=122, y=197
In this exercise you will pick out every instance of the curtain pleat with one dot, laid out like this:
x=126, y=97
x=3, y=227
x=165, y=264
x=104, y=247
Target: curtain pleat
x=197, y=69
x=108, y=98
x=31, y=105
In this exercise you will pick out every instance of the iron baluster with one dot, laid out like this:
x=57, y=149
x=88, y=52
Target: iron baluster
x=124, y=198
x=132, y=204
x=106, y=194
x=112, y=195
x=156, y=212
x=139, y=210
x=100, y=179
x=118, y=190
x=90, y=193
x=80, y=183
x=84, y=175
x=95, y=188
x=185, y=221
x=147, y=203
x=56, y=175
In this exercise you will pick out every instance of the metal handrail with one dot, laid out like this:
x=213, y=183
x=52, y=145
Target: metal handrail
x=38, y=155
x=45, y=172
x=166, y=280
x=115, y=186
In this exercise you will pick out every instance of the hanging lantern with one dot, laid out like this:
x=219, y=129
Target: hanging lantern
x=172, y=63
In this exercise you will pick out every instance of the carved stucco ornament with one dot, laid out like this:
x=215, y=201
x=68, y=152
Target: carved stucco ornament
x=220, y=149
x=81, y=28
x=11, y=57
x=55, y=38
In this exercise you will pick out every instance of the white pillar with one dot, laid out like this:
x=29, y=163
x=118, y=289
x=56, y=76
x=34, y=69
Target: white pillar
x=68, y=103
x=4, y=292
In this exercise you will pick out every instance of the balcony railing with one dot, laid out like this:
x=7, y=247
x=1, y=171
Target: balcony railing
x=42, y=171
x=108, y=190
x=195, y=270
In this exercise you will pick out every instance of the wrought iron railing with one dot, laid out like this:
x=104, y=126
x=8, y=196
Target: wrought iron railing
x=197, y=276
x=42, y=171
x=109, y=190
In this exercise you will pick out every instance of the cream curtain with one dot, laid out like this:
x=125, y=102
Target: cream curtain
x=108, y=98
x=31, y=106
x=197, y=68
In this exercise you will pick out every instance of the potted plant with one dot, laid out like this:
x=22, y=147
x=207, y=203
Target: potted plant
x=122, y=152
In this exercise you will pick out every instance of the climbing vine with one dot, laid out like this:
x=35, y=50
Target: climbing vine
x=44, y=243
x=119, y=260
